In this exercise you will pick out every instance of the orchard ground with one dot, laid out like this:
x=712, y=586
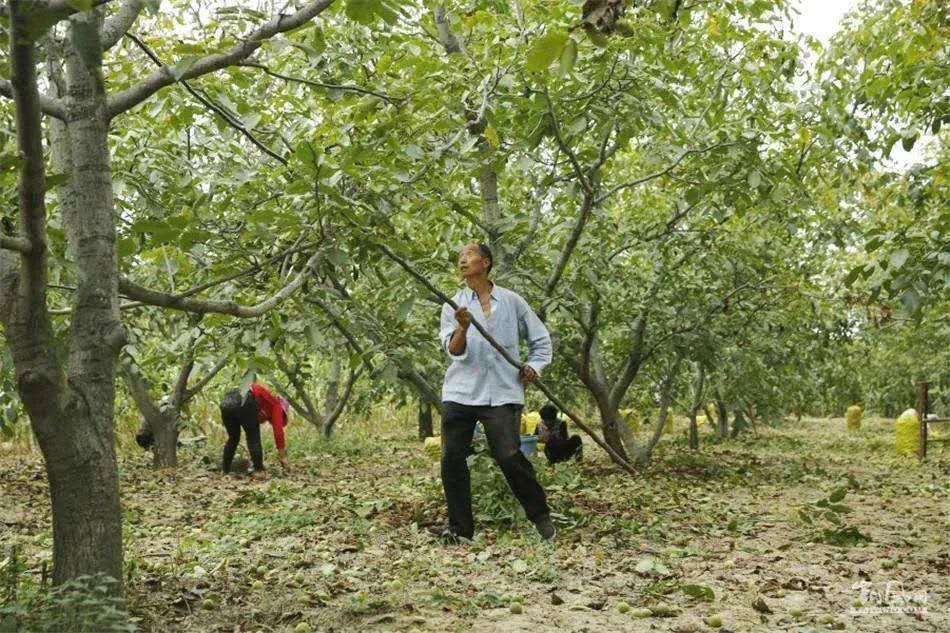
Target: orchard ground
x=700, y=539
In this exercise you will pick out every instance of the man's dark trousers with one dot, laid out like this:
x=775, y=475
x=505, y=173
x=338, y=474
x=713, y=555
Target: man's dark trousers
x=501, y=425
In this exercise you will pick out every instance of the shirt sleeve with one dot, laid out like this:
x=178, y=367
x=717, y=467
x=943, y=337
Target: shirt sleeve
x=447, y=328
x=536, y=335
x=277, y=423
x=269, y=406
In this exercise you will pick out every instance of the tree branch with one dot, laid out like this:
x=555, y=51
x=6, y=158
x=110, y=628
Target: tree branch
x=311, y=411
x=586, y=208
x=320, y=84
x=198, y=386
x=425, y=390
x=126, y=99
x=181, y=385
x=662, y=172
x=632, y=363
x=342, y=329
x=32, y=180
x=165, y=300
x=446, y=37
x=119, y=23
x=332, y=416
x=138, y=389
x=48, y=105
x=214, y=107
x=19, y=244
x=572, y=157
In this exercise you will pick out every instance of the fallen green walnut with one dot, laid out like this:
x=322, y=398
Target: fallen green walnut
x=641, y=612
x=713, y=621
x=623, y=607
x=664, y=610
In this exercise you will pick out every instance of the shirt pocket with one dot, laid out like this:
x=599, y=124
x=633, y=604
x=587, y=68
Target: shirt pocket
x=506, y=329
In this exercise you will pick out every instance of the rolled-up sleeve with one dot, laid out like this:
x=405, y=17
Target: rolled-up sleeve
x=536, y=336
x=446, y=329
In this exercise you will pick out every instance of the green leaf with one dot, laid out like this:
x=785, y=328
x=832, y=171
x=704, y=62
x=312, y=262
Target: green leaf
x=568, y=57
x=491, y=135
x=853, y=275
x=545, y=50
x=700, y=591
x=838, y=495
x=911, y=300
x=596, y=37
x=336, y=256
x=908, y=142
x=306, y=153
x=362, y=11
x=80, y=5
x=404, y=308
x=898, y=258
x=311, y=333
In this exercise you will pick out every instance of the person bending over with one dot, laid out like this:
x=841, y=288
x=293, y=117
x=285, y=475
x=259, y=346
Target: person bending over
x=248, y=412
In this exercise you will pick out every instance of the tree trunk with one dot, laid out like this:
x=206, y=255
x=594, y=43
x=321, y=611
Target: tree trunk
x=165, y=433
x=425, y=419
x=611, y=423
x=86, y=494
x=70, y=397
x=722, y=418
x=84, y=491
x=698, y=395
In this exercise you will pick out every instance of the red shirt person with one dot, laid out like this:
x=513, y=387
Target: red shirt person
x=248, y=412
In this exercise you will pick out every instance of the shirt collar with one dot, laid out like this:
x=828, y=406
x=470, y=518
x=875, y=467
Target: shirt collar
x=472, y=295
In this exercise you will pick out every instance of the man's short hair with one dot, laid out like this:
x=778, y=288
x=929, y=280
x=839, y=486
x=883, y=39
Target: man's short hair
x=485, y=252
x=548, y=412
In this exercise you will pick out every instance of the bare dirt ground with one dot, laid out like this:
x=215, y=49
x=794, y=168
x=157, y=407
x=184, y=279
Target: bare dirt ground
x=717, y=540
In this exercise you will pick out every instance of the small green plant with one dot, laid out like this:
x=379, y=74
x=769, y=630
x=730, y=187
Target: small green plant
x=84, y=605
x=825, y=514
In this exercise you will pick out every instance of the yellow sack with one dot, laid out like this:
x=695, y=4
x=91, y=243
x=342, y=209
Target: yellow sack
x=700, y=419
x=907, y=433
x=529, y=422
x=633, y=419
x=852, y=417
x=433, y=447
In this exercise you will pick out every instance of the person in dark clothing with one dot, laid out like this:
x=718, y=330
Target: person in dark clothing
x=248, y=412
x=558, y=447
x=240, y=412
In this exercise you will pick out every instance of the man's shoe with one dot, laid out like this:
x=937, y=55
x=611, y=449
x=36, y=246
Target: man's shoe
x=446, y=535
x=546, y=528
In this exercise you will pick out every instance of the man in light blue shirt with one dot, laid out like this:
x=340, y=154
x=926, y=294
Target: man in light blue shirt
x=481, y=386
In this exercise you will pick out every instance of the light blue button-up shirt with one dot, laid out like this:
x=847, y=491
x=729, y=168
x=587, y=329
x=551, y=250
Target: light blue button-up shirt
x=480, y=376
